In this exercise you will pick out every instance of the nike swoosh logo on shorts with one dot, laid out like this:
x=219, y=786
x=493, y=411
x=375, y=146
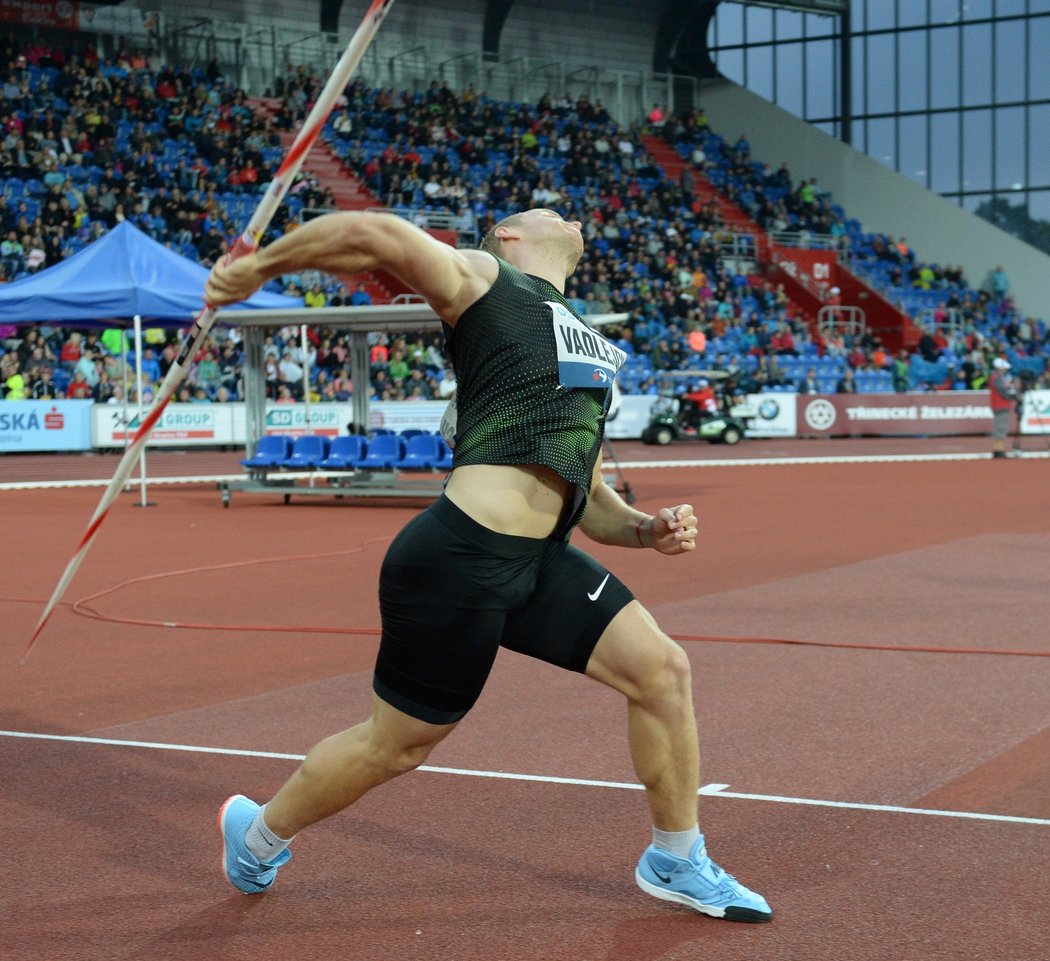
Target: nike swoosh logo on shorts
x=600, y=588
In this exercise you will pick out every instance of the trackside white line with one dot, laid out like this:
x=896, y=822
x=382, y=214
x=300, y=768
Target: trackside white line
x=153, y=745
x=708, y=790
x=843, y=459
x=890, y=808
x=625, y=465
x=133, y=484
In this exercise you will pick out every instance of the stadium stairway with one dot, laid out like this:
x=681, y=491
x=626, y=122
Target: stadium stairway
x=668, y=159
x=894, y=326
x=328, y=169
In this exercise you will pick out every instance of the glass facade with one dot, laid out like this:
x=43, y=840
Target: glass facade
x=954, y=94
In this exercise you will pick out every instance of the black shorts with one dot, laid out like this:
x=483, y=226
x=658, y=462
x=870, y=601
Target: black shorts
x=452, y=592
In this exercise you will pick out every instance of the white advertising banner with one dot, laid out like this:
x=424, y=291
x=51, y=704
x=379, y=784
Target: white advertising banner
x=398, y=415
x=201, y=425
x=632, y=416
x=32, y=425
x=1035, y=413
x=328, y=420
x=775, y=415
x=181, y=425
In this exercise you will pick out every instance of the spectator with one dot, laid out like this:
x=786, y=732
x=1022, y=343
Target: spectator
x=846, y=384
x=207, y=374
x=1003, y=396
x=291, y=373
x=79, y=388
x=41, y=384
x=809, y=384
x=901, y=372
x=314, y=297
x=15, y=387
x=1000, y=283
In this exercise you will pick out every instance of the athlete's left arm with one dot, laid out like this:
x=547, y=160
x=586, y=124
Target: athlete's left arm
x=610, y=520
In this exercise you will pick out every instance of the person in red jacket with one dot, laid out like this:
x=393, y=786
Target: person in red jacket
x=698, y=404
x=1003, y=399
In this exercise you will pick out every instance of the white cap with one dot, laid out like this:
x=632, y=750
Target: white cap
x=1000, y=364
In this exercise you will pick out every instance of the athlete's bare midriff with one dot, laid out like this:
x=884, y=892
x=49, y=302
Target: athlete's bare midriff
x=523, y=500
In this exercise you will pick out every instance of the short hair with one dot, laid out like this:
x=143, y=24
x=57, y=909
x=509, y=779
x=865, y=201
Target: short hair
x=491, y=243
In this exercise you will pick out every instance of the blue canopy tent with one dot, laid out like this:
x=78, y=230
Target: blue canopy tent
x=122, y=275
x=122, y=279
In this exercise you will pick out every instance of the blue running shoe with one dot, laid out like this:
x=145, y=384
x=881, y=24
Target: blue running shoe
x=699, y=883
x=243, y=869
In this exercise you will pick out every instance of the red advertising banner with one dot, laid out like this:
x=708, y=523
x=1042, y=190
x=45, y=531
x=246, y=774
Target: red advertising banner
x=64, y=14
x=914, y=414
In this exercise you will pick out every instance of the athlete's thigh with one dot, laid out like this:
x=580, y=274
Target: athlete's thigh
x=633, y=653
x=573, y=601
x=443, y=597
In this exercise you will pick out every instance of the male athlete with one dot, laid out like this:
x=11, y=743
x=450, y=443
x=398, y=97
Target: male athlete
x=489, y=564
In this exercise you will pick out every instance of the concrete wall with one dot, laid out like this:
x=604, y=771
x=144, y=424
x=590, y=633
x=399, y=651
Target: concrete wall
x=881, y=199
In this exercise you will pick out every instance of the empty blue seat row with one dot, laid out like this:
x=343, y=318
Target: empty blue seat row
x=418, y=451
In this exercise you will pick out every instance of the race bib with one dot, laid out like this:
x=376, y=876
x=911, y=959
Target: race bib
x=585, y=357
x=448, y=422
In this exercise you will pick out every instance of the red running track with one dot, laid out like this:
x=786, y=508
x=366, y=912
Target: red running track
x=111, y=850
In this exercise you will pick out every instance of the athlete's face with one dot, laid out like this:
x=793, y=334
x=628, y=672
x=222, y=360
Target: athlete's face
x=549, y=227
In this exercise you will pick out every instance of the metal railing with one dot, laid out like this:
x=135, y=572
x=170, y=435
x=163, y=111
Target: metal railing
x=846, y=320
x=805, y=240
x=952, y=320
x=255, y=52
x=468, y=234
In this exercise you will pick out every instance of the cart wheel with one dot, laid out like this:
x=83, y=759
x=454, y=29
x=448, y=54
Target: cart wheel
x=663, y=436
x=287, y=498
x=731, y=435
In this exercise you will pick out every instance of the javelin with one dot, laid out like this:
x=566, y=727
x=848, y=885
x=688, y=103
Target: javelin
x=246, y=243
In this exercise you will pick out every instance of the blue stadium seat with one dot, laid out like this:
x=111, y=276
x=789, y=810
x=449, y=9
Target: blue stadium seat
x=383, y=452
x=422, y=451
x=444, y=462
x=346, y=452
x=308, y=452
x=271, y=451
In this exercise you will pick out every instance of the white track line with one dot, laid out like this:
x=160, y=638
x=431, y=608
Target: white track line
x=842, y=459
x=624, y=465
x=133, y=485
x=708, y=790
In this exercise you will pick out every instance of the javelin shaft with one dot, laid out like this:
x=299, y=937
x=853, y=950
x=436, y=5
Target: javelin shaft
x=247, y=242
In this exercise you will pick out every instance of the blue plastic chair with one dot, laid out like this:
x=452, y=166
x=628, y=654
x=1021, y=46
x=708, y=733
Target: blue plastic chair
x=383, y=452
x=421, y=453
x=345, y=452
x=271, y=451
x=307, y=452
x=444, y=461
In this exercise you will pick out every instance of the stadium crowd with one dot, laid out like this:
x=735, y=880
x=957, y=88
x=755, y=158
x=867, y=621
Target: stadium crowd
x=91, y=142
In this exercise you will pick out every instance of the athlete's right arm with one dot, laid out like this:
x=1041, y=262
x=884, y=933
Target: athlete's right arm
x=353, y=242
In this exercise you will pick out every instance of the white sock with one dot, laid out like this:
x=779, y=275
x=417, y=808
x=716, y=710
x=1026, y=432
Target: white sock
x=678, y=843
x=261, y=841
